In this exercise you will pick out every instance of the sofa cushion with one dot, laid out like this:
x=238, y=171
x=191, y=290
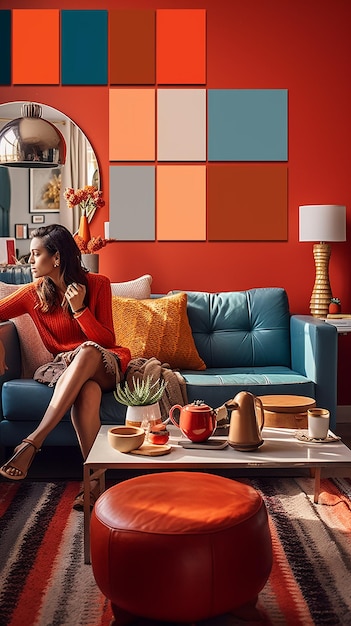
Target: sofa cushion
x=157, y=328
x=33, y=351
x=241, y=328
x=217, y=386
x=139, y=288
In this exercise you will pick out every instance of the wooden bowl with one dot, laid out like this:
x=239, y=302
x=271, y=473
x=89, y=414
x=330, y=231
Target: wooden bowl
x=125, y=438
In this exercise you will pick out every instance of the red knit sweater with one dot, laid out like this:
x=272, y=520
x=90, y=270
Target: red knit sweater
x=60, y=331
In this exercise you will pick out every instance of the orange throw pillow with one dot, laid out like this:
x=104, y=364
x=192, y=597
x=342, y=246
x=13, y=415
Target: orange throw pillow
x=159, y=328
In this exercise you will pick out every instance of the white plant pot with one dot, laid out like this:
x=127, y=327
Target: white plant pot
x=136, y=415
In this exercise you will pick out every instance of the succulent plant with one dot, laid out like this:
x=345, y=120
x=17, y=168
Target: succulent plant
x=335, y=300
x=144, y=391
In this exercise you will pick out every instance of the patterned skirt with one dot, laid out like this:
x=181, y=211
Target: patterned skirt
x=49, y=373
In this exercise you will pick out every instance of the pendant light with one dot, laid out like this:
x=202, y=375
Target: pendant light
x=30, y=141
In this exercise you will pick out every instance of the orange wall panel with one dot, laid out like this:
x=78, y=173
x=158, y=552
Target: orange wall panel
x=181, y=202
x=181, y=46
x=35, y=46
x=132, y=125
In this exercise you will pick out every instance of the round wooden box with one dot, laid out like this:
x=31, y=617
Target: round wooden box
x=286, y=411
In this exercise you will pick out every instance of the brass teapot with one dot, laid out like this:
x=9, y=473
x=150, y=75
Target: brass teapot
x=246, y=416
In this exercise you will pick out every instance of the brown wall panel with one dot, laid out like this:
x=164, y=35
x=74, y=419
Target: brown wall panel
x=247, y=202
x=132, y=47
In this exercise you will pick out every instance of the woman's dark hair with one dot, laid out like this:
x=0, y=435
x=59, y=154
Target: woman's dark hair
x=57, y=238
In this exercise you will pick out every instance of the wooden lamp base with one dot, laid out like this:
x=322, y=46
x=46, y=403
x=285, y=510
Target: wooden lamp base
x=321, y=294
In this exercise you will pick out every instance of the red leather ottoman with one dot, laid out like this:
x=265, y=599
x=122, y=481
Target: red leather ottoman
x=180, y=546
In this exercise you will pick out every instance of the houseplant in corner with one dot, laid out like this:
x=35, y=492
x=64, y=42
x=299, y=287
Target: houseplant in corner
x=142, y=400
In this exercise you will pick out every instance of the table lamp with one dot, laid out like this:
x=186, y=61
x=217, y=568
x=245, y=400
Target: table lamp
x=323, y=223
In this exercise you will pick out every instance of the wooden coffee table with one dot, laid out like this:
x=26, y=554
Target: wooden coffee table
x=280, y=449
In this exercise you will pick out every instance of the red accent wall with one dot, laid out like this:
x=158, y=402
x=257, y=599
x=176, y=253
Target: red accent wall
x=300, y=46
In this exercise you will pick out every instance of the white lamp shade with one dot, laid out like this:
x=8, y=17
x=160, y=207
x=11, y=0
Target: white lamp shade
x=322, y=222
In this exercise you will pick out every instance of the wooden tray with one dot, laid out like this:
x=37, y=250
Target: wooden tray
x=287, y=404
x=149, y=449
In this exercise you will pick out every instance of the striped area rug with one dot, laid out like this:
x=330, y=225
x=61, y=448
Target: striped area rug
x=44, y=581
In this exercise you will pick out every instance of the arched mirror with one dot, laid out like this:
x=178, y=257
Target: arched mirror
x=30, y=197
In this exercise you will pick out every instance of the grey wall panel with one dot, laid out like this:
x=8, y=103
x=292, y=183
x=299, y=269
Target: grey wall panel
x=132, y=202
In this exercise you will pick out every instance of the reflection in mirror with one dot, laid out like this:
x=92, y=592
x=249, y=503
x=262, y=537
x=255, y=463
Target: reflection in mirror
x=35, y=196
x=31, y=141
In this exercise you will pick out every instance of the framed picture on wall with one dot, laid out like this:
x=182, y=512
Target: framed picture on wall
x=44, y=190
x=38, y=219
x=21, y=231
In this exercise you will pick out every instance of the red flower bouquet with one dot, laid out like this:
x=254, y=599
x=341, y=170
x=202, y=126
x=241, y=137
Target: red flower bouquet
x=88, y=199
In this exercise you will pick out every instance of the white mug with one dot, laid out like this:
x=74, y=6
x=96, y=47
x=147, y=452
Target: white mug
x=318, y=423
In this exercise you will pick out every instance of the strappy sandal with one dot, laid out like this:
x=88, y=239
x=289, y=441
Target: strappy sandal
x=78, y=503
x=17, y=454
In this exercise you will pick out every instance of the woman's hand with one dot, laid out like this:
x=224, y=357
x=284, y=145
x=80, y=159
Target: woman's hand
x=75, y=294
x=3, y=366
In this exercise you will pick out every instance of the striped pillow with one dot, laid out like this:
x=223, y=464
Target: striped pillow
x=138, y=288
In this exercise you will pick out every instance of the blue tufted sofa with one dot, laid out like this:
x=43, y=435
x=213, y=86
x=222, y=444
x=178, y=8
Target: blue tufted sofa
x=249, y=340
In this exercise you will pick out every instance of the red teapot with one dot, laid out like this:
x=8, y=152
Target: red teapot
x=197, y=420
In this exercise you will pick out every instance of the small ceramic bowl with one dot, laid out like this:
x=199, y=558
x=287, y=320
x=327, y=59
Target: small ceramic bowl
x=125, y=438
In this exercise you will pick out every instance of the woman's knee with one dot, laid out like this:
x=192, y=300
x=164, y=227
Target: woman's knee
x=87, y=353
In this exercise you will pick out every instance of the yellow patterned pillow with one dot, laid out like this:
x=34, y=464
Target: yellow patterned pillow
x=159, y=328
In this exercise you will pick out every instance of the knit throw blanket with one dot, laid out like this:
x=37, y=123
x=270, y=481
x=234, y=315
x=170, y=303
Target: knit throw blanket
x=175, y=391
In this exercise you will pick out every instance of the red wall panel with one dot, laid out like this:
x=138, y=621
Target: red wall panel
x=181, y=46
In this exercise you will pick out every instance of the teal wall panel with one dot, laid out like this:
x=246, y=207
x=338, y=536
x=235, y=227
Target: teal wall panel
x=84, y=47
x=247, y=125
x=132, y=202
x=5, y=47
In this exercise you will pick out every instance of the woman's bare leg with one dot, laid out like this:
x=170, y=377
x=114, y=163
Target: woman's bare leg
x=87, y=365
x=85, y=415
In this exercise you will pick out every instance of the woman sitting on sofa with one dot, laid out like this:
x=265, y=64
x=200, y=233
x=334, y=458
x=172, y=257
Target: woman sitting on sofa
x=72, y=310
